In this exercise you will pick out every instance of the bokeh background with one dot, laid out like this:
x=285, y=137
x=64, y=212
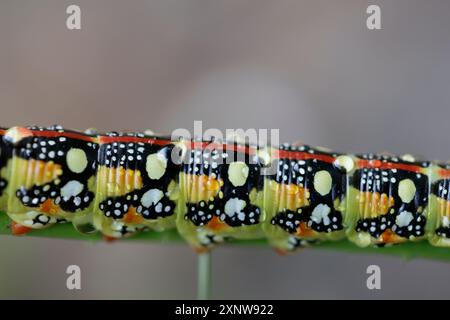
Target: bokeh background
x=310, y=68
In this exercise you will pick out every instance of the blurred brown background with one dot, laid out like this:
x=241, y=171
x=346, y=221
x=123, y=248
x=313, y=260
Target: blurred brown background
x=310, y=68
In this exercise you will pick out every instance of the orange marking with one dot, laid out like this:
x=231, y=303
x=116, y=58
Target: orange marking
x=216, y=224
x=200, y=250
x=443, y=207
x=55, y=134
x=132, y=216
x=388, y=165
x=203, y=187
x=290, y=196
x=304, y=230
x=281, y=252
x=18, y=229
x=296, y=155
x=49, y=207
x=119, y=181
x=390, y=237
x=109, y=239
x=444, y=173
x=221, y=147
x=374, y=204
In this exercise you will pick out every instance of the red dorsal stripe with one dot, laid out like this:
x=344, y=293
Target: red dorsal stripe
x=108, y=139
x=389, y=165
x=220, y=146
x=66, y=134
x=304, y=156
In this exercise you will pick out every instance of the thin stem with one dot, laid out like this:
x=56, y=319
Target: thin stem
x=204, y=276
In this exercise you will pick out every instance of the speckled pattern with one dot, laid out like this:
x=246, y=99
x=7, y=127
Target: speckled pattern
x=129, y=152
x=124, y=183
x=380, y=179
x=230, y=203
x=298, y=167
x=56, y=149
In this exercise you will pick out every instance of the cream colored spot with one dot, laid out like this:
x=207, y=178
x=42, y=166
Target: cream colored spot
x=238, y=173
x=406, y=190
x=264, y=156
x=404, y=219
x=151, y=197
x=363, y=239
x=156, y=165
x=76, y=160
x=322, y=182
x=345, y=162
x=409, y=158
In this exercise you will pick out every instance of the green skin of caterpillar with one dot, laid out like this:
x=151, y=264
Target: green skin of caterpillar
x=264, y=200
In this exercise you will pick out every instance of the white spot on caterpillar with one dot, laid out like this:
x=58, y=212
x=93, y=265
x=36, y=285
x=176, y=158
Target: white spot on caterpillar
x=406, y=190
x=235, y=206
x=156, y=165
x=404, y=219
x=71, y=189
x=151, y=197
x=320, y=214
x=445, y=222
x=322, y=182
x=238, y=173
x=76, y=160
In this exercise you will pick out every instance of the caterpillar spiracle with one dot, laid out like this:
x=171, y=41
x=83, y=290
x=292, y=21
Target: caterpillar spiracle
x=123, y=183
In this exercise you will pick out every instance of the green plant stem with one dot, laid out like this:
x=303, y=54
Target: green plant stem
x=204, y=275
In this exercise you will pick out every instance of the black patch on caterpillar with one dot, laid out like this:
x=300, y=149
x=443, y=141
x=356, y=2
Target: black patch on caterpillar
x=117, y=207
x=132, y=156
x=376, y=226
x=55, y=149
x=215, y=162
x=301, y=173
x=386, y=181
x=200, y=214
x=37, y=195
x=290, y=220
x=443, y=232
x=5, y=155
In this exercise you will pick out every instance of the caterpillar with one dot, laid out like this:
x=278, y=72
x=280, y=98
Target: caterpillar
x=121, y=184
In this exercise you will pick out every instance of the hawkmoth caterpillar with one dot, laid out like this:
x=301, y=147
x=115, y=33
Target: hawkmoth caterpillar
x=120, y=184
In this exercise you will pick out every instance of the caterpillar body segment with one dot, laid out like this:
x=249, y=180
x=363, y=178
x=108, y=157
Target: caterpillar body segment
x=52, y=175
x=305, y=198
x=221, y=189
x=294, y=196
x=137, y=184
x=388, y=200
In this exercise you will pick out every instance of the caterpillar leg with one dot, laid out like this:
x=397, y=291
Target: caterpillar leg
x=305, y=198
x=136, y=184
x=220, y=194
x=51, y=176
x=388, y=200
